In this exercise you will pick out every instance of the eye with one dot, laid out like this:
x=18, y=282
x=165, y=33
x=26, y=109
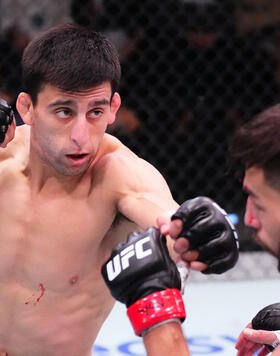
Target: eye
x=95, y=113
x=63, y=113
x=258, y=207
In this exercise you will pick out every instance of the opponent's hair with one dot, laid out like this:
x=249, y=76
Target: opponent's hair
x=71, y=58
x=257, y=143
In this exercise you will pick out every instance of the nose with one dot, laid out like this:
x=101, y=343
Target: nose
x=80, y=132
x=250, y=218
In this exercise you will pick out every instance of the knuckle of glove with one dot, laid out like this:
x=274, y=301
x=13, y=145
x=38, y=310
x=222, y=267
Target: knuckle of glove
x=196, y=214
x=215, y=248
x=209, y=230
x=221, y=254
x=190, y=209
x=220, y=265
x=268, y=318
x=203, y=221
x=140, y=267
x=6, y=118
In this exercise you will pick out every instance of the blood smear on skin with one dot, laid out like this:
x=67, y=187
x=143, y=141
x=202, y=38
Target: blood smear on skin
x=41, y=289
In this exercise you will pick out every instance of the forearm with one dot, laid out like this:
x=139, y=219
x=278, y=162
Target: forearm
x=276, y=352
x=166, y=340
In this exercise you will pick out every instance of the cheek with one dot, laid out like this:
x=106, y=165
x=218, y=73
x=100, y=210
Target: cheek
x=275, y=223
x=98, y=128
x=96, y=132
x=47, y=137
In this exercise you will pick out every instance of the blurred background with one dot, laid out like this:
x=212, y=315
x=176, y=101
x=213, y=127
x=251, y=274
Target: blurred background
x=193, y=71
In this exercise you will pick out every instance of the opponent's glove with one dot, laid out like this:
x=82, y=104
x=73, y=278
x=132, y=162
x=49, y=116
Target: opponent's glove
x=269, y=319
x=141, y=275
x=6, y=118
x=210, y=231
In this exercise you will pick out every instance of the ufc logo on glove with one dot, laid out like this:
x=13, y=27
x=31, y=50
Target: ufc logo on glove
x=141, y=274
x=121, y=261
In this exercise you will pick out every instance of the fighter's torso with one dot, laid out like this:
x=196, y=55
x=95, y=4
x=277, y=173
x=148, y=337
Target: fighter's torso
x=52, y=245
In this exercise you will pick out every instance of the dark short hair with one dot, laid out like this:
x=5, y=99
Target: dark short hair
x=257, y=143
x=71, y=58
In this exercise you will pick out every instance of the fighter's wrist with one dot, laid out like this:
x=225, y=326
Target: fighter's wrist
x=276, y=342
x=172, y=320
x=156, y=308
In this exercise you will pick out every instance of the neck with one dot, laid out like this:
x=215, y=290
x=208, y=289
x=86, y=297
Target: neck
x=44, y=178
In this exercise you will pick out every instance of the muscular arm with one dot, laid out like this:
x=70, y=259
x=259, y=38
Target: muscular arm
x=145, y=195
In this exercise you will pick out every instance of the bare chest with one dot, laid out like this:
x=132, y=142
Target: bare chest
x=51, y=237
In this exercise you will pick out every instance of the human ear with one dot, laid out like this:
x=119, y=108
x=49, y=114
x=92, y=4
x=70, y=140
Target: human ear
x=115, y=104
x=24, y=107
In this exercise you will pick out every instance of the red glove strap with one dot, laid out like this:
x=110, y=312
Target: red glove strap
x=156, y=308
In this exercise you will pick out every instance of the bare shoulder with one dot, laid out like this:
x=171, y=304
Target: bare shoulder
x=118, y=158
x=18, y=148
x=138, y=189
x=127, y=170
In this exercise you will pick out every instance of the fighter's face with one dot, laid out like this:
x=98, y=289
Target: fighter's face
x=68, y=128
x=263, y=210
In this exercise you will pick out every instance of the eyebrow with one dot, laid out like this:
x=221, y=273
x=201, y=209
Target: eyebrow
x=61, y=103
x=99, y=102
x=72, y=103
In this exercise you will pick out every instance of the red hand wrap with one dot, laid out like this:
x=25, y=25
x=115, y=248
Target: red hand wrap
x=155, y=308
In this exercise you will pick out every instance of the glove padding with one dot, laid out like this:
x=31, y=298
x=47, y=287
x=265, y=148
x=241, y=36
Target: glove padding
x=268, y=319
x=139, y=267
x=6, y=118
x=210, y=231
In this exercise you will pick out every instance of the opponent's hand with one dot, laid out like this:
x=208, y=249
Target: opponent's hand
x=262, y=334
x=203, y=232
x=7, y=123
x=140, y=274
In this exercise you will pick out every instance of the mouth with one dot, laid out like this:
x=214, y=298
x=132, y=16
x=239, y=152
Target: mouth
x=77, y=158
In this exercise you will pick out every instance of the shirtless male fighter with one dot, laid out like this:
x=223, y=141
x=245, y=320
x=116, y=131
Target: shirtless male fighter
x=70, y=192
x=256, y=147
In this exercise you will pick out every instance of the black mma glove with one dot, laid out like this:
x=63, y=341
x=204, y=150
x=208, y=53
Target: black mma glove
x=210, y=231
x=269, y=319
x=6, y=118
x=141, y=274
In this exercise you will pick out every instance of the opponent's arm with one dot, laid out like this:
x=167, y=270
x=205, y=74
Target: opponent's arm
x=7, y=123
x=141, y=275
x=262, y=334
